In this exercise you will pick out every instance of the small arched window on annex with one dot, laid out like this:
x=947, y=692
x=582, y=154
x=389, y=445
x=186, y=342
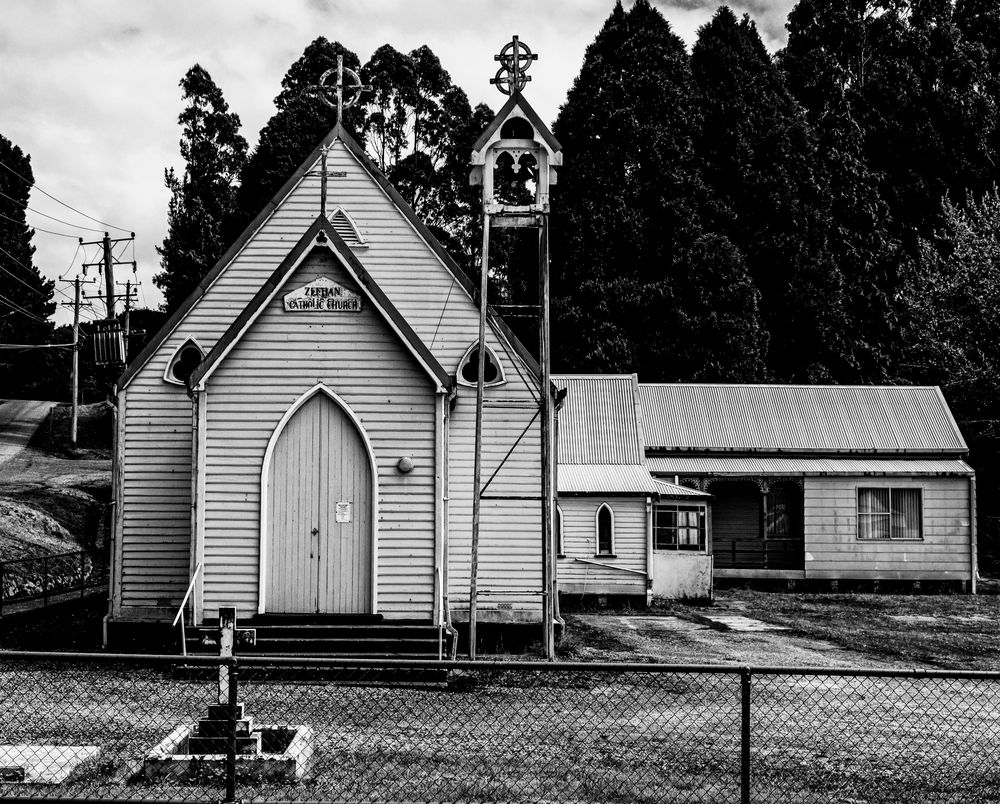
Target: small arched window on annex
x=468, y=368
x=183, y=362
x=345, y=226
x=604, y=527
x=560, y=541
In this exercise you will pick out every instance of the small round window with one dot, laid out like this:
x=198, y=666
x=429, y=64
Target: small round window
x=184, y=362
x=468, y=372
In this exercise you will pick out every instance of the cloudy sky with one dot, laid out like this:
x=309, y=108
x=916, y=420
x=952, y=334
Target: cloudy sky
x=90, y=89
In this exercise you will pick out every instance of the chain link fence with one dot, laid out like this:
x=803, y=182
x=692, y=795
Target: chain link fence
x=153, y=728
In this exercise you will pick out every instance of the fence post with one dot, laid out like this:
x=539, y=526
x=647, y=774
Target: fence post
x=745, y=736
x=45, y=580
x=83, y=572
x=231, y=733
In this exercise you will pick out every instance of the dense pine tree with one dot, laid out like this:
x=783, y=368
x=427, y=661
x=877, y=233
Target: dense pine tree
x=640, y=282
x=202, y=199
x=25, y=296
x=758, y=157
x=828, y=57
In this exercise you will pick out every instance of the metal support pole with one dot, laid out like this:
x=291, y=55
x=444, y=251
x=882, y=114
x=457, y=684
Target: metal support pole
x=478, y=465
x=545, y=358
x=45, y=580
x=231, y=714
x=745, y=736
x=83, y=572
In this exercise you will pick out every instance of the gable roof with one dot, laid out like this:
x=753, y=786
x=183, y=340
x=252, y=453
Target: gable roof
x=798, y=418
x=518, y=100
x=338, y=132
x=321, y=234
x=598, y=421
x=600, y=441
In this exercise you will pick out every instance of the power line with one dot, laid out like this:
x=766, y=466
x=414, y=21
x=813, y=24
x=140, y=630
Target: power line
x=18, y=309
x=51, y=217
x=58, y=201
x=18, y=279
x=18, y=262
x=36, y=228
x=9, y=346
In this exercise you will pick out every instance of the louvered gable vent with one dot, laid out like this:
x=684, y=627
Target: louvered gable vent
x=344, y=225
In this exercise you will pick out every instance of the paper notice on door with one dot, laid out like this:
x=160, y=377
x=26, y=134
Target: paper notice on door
x=343, y=511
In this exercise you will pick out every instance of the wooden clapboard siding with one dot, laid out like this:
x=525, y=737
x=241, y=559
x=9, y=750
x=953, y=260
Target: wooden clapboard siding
x=436, y=306
x=510, y=568
x=580, y=541
x=833, y=549
x=156, y=496
x=358, y=357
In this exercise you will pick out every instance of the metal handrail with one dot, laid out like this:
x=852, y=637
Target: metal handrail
x=180, y=609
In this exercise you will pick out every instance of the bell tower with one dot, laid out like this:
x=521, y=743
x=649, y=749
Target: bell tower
x=515, y=161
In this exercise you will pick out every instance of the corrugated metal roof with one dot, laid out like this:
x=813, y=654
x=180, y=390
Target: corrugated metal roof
x=598, y=422
x=686, y=465
x=576, y=478
x=820, y=418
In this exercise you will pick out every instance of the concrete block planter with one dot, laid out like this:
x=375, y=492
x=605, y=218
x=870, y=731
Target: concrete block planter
x=286, y=755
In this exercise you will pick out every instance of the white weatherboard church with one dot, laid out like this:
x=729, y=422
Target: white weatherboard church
x=318, y=459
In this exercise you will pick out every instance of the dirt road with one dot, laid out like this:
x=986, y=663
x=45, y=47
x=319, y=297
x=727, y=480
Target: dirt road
x=19, y=419
x=719, y=634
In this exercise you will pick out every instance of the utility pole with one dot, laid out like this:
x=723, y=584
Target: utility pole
x=75, y=377
x=131, y=291
x=109, y=345
x=107, y=265
x=109, y=276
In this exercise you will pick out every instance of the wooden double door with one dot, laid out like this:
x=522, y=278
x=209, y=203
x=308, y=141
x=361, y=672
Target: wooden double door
x=319, y=514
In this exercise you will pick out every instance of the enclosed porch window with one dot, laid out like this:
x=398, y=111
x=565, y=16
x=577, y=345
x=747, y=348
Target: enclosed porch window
x=679, y=527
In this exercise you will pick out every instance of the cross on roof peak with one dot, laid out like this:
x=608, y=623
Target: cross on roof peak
x=353, y=89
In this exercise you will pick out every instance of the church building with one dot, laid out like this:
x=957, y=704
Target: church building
x=298, y=438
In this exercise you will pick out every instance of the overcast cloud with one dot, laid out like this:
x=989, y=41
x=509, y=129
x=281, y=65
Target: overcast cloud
x=90, y=90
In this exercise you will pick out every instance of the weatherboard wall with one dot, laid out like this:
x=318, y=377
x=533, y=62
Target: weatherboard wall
x=833, y=549
x=155, y=531
x=358, y=357
x=581, y=569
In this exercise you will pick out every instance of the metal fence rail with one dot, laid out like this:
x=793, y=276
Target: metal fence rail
x=147, y=728
x=41, y=577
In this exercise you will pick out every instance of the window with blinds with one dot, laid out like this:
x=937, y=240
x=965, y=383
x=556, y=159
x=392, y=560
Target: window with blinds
x=890, y=514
